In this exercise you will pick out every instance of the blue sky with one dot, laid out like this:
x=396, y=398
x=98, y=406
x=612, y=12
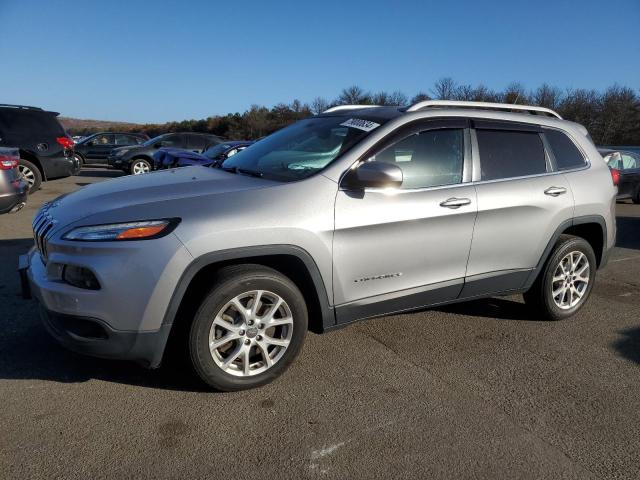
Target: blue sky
x=173, y=60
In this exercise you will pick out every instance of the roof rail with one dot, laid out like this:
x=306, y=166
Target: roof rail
x=23, y=107
x=337, y=108
x=488, y=105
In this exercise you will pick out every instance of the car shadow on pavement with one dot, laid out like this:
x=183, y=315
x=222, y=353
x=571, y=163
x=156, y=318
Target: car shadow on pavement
x=628, y=232
x=495, y=307
x=629, y=345
x=29, y=353
x=106, y=173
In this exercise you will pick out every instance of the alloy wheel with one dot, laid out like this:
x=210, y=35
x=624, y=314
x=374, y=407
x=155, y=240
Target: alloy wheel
x=140, y=167
x=570, y=280
x=251, y=333
x=28, y=174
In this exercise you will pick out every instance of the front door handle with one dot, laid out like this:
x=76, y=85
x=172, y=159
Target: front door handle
x=455, y=202
x=555, y=191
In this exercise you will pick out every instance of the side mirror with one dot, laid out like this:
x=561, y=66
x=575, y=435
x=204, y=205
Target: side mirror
x=374, y=175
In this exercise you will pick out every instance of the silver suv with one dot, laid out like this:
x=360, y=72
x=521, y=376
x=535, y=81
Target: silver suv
x=358, y=212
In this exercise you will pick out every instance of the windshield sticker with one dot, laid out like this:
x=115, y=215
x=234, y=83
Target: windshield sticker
x=360, y=124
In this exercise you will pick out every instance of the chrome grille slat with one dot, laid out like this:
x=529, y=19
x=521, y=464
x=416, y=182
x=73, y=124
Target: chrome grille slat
x=42, y=226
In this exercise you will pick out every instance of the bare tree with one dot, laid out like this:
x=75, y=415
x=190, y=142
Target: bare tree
x=354, y=95
x=319, y=105
x=547, y=96
x=445, y=89
x=515, y=93
x=420, y=97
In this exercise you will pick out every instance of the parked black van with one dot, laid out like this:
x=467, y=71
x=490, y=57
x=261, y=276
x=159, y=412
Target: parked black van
x=46, y=151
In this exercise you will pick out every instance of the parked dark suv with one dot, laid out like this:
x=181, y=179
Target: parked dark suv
x=46, y=151
x=97, y=147
x=139, y=159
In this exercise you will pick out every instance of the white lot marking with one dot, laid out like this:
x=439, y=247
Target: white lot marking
x=323, y=452
x=626, y=258
x=628, y=294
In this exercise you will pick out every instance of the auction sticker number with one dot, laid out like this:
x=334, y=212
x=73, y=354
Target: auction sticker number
x=360, y=124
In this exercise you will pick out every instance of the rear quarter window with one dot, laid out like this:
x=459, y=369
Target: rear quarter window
x=564, y=150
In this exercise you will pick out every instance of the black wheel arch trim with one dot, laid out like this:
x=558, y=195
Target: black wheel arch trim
x=247, y=253
x=599, y=219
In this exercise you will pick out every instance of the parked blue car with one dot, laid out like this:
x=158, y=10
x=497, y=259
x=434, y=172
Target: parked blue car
x=212, y=156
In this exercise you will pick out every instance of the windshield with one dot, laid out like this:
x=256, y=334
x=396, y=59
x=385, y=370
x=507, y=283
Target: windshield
x=153, y=140
x=302, y=149
x=215, y=151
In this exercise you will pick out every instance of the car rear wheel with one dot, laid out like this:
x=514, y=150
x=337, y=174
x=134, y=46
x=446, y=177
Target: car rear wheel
x=140, y=166
x=565, y=283
x=636, y=197
x=248, y=329
x=31, y=174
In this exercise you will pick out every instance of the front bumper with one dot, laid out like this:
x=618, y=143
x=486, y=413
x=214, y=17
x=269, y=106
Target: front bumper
x=116, y=162
x=91, y=336
x=87, y=334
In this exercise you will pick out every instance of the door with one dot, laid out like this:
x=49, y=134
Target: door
x=196, y=143
x=629, y=175
x=408, y=247
x=99, y=148
x=521, y=203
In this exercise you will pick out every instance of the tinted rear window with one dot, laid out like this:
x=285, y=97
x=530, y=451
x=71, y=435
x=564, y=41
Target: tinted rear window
x=30, y=122
x=564, y=150
x=507, y=154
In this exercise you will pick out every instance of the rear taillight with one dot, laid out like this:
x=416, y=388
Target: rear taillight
x=7, y=162
x=66, y=142
x=615, y=176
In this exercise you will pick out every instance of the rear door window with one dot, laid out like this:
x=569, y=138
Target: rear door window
x=564, y=150
x=509, y=154
x=125, y=140
x=197, y=142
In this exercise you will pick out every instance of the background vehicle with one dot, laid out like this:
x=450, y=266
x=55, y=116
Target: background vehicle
x=139, y=159
x=13, y=187
x=97, y=147
x=215, y=154
x=355, y=213
x=627, y=165
x=46, y=151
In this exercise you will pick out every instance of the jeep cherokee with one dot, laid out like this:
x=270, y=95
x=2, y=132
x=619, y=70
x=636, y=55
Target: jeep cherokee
x=358, y=212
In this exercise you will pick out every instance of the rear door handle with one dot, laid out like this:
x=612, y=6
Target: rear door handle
x=555, y=191
x=455, y=202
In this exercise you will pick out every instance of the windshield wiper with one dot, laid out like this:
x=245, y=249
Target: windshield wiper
x=251, y=173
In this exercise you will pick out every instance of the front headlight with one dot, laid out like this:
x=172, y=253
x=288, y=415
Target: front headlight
x=142, y=230
x=120, y=153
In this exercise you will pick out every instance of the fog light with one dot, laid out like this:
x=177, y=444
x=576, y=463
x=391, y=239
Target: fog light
x=80, y=277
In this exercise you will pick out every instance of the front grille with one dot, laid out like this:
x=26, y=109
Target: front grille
x=42, y=227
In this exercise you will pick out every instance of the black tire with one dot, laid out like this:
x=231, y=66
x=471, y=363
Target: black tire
x=540, y=296
x=636, y=196
x=229, y=283
x=80, y=159
x=139, y=161
x=31, y=173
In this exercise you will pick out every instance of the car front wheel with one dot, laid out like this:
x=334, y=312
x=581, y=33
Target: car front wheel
x=140, y=166
x=248, y=329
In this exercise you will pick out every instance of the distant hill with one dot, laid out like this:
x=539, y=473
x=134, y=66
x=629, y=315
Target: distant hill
x=79, y=126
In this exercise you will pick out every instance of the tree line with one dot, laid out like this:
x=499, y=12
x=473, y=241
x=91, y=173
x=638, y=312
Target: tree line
x=612, y=116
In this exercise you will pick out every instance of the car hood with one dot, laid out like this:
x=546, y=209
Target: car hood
x=156, y=194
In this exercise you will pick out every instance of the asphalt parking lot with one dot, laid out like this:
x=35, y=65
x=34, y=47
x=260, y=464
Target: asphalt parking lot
x=477, y=390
